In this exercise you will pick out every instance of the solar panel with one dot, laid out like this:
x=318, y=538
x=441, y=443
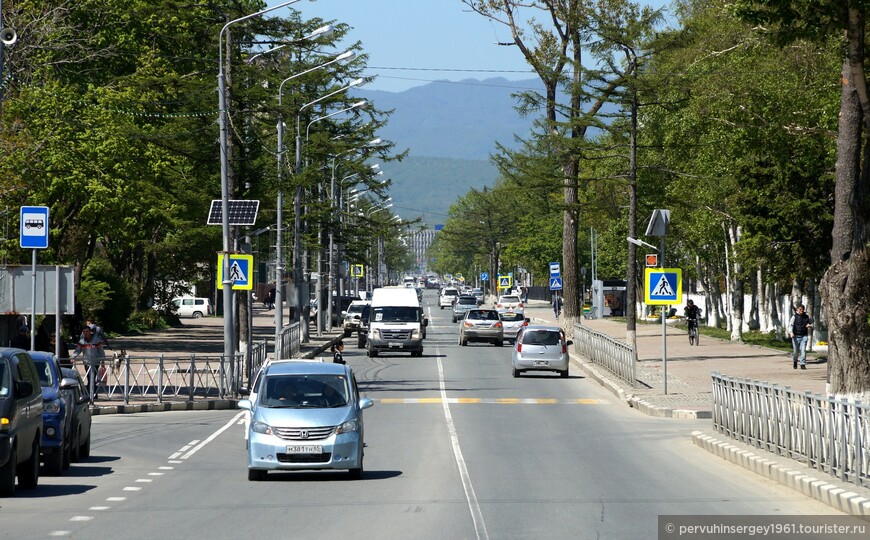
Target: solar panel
x=240, y=212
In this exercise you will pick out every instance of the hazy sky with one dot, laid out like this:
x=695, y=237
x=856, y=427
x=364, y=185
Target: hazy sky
x=414, y=42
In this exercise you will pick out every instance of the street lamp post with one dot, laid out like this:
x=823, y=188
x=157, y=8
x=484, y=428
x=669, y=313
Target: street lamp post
x=297, y=202
x=229, y=333
x=319, y=288
x=279, y=259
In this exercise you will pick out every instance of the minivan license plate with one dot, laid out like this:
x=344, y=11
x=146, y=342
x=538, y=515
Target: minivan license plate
x=305, y=449
x=542, y=362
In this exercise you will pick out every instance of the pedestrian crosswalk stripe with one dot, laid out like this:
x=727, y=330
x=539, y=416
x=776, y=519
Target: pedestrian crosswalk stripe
x=495, y=401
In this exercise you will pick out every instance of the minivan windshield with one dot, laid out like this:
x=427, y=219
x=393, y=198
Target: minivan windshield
x=304, y=391
x=395, y=314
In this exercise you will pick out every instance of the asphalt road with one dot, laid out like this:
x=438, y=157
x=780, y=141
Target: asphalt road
x=456, y=448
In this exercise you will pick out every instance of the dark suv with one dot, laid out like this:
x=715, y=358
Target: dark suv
x=20, y=421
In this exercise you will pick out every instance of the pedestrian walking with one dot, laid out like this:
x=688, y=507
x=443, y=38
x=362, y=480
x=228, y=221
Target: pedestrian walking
x=337, y=349
x=92, y=350
x=799, y=328
x=557, y=305
x=270, y=299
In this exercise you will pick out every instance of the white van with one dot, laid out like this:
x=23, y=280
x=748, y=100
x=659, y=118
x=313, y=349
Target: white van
x=396, y=322
x=189, y=306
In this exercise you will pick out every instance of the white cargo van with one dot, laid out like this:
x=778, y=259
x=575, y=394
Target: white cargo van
x=396, y=322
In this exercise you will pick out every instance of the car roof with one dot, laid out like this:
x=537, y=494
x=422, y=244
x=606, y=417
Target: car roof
x=41, y=355
x=306, y=368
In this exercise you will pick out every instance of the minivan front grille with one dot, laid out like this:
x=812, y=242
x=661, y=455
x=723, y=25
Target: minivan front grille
x=396, y=334
x=304, y=434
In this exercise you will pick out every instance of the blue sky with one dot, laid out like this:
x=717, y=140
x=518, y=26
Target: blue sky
x=414, y=42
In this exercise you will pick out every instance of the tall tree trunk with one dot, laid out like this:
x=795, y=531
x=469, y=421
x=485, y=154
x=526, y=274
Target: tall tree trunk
x=734, y=232
x=763, y=306
x=845, y=287
x=773, y=306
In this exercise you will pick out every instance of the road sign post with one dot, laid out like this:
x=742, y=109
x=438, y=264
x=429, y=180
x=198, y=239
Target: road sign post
x=34, y=235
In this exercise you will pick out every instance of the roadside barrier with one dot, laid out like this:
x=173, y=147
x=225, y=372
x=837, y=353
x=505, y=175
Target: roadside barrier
x=163, y=377
x=829, y=434
x=601, y=349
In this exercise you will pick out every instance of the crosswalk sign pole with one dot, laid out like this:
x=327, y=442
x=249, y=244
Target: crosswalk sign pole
x=665, y=309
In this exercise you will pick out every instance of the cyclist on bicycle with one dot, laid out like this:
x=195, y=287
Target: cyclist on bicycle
x=692, y=312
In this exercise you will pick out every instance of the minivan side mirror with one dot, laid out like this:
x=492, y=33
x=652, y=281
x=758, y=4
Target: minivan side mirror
x=569, y=342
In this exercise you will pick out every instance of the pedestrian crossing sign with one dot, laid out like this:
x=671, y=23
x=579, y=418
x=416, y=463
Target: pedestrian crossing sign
x=505, y=282
x=239, y=271
x=357, y=270
x=663, y=286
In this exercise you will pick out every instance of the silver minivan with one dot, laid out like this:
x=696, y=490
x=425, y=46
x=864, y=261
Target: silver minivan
x=307, y=415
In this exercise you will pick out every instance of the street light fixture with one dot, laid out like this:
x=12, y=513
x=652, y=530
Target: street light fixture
x=229, y=334
x=637, y=242
x=323, y=31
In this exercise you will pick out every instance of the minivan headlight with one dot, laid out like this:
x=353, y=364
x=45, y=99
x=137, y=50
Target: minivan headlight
x=350, y=426
x=261, y=427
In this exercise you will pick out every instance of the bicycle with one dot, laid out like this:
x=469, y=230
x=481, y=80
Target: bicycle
x=693, y=331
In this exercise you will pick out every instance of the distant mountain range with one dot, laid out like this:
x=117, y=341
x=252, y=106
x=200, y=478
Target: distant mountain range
x=450, y=129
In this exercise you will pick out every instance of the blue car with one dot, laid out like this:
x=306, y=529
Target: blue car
x=56, y=448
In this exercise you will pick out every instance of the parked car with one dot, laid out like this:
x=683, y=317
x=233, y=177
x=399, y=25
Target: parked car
x=21, y=424
x=56, y=447
x=189, y=306
x=448, y=296
x=352, y=316
x=481, y=325
x=462, y=305
x=76, y=396
x=541, y=348
x=509, y=302
x=307, y=415
x=513, y=321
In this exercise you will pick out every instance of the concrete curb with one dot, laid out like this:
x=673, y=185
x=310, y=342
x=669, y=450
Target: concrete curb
x=203, y=405
x=839, y=497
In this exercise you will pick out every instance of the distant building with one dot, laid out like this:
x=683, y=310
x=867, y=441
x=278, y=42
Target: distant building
x=420, y=241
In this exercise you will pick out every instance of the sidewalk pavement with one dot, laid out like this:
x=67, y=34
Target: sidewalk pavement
x=689, y=387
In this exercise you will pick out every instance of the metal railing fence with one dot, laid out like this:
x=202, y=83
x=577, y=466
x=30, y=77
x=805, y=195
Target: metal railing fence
x=601, y=349
x=158, y=378
x=289, y=341
x=829, y=434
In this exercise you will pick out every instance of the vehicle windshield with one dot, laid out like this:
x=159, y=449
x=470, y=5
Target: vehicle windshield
x=509, y=299
x=451, y=292
x=355, y=308
x=467, y=300
x=396, y=314
x=46, y=375
x=511, y=317
x=304, y=391
x=4, y=379
x=541, y=337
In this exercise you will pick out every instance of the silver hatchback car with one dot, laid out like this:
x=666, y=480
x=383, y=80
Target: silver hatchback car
x=308, y=415
x=541, y=348
x=481, y=325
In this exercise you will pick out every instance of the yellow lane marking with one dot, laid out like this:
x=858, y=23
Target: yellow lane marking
x=496, y=401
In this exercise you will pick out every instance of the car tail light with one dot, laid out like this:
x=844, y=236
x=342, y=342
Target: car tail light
x=519, y=305
x=564, y=348
x=519, y=346
x=498, y=324
x=498, y=305
x=525, y=323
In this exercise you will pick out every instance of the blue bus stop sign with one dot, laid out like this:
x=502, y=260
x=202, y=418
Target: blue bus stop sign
x=34, y=227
